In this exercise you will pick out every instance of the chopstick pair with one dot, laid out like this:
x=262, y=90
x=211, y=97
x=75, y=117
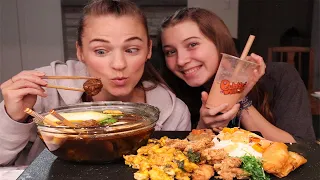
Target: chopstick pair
x=61, y=118
x=66, y=77
x=39, y=118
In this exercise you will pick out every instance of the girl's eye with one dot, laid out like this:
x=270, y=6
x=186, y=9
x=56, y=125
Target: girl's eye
x=170, y=53
x=132, y=50
x=193, y=45
x=100, y=52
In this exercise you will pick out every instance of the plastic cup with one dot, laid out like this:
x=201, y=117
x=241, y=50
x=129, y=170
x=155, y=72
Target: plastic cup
x=230, y=80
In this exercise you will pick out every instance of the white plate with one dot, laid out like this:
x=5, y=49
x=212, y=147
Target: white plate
x=317, y=95
x=11, y=173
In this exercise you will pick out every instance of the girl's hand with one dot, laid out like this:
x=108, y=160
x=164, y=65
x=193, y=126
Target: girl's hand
x=21, y=91
x=257, y=73
x=213, y=118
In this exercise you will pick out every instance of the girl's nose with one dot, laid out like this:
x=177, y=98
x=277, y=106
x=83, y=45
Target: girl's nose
x=119, y=61
x=183, y=59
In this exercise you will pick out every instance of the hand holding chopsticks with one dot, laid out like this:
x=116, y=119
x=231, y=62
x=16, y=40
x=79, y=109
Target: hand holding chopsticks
x=22, y=90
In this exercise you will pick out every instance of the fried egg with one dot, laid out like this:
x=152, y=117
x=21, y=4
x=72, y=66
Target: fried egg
x=238, y=142
x=236, y=149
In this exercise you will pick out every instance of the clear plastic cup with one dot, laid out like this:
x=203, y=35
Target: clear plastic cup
x=230, y=80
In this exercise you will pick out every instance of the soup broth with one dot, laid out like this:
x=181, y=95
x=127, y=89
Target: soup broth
x=97, y=149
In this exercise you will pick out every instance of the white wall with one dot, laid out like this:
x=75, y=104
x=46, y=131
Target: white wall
x=227, y=10
x=0, y=42
x=31, y=35
x=41, y=39
x=10, y=40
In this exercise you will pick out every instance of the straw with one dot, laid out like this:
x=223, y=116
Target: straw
x=247, y=47
x=244, y=54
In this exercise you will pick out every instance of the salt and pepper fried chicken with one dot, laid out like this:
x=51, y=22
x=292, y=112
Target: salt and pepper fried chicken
x=213, y=156
x=197, y=140
x=200, y=134
x=204, y=172
x=229, y=168
x=199, y=145
x=179, y=144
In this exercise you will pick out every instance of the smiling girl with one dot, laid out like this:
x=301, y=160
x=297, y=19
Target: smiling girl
x=192, y=40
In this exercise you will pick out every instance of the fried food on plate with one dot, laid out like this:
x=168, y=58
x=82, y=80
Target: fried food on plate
x=213, y=156
x=275, y=157
x=295, y=160
x=233, y=153
x=279, y=161
x=298, y=159
x=229, y=168
x=199, y=134
x=157, y=161
x=204, y=172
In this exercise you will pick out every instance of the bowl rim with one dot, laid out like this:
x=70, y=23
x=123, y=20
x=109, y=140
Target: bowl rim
x=100, y=103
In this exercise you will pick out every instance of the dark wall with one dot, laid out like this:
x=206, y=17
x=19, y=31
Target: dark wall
x=268, y=20
x=139, y=2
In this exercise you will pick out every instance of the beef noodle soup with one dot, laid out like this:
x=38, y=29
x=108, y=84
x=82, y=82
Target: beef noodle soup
x=98, y=136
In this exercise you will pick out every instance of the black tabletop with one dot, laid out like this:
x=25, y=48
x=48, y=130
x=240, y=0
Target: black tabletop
x=47, y=167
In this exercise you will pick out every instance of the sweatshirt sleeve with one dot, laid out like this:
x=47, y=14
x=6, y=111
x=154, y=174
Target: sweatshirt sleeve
x=185, y=120
x=174, y=113
x=14, y=136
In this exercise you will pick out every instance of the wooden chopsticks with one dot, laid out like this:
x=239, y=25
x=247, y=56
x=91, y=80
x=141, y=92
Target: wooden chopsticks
x=66, y=77
x=61, y=118
x=64, y=87
x=39, y=118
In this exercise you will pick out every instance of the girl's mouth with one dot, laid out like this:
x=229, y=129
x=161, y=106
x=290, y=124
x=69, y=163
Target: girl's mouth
x=119, y=81
x=191, y=71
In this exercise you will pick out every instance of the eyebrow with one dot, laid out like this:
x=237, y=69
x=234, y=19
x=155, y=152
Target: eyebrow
x=134, y=38
x=193, y=37
x=106, y=41
x=99, y=40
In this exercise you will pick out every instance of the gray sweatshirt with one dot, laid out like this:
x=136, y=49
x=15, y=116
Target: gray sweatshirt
x=19, y=142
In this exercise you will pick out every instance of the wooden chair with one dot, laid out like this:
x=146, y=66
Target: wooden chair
x=288, y=54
